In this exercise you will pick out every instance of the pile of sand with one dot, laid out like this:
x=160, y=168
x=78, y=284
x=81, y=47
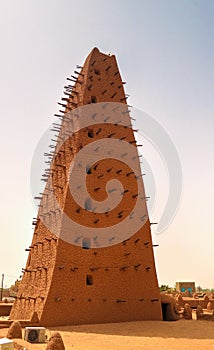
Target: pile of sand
x=209, y=306
x=55, y=342
x=15, y=331
x=199, y=311
x=187, y=313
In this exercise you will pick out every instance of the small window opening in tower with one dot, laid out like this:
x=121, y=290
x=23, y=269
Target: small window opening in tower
x=91, y=133
x=86, y=243
x=96, y=71
x=88, y=170
x=89, y=280
x=88, y=205
x=93, y=99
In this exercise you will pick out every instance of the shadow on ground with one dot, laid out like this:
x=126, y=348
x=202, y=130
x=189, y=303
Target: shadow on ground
x=186, y=329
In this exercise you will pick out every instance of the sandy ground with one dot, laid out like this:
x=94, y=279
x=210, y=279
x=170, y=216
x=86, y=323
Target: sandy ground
x=144, y=335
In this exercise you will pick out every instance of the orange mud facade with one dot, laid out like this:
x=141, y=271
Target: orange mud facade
x=65, y=284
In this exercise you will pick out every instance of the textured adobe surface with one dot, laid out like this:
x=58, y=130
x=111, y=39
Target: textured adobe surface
x=122, y=282
x=15, y=330
x=55, y=342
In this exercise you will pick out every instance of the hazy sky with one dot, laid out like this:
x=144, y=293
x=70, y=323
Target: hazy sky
x=165, y=52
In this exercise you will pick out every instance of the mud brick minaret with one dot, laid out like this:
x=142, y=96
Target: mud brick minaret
x=77, y=280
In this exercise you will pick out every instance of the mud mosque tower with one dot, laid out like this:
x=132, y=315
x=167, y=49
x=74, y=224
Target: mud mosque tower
x=80, y=280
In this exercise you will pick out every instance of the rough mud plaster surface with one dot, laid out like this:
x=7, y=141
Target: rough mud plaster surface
x=124, y=284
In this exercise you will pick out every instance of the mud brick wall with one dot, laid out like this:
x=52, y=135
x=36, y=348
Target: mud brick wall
x=64, y=283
